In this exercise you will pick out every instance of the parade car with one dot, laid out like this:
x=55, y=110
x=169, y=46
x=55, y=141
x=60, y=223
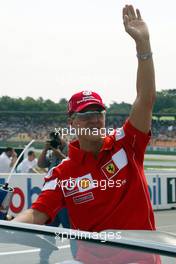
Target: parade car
x=28, y=243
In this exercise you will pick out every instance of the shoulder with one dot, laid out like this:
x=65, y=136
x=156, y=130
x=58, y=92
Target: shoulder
x=63, y=164
x=5, y=159
x=25, y=161
x=3, y=156
x=58, y=171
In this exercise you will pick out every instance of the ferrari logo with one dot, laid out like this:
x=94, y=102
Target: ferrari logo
x=110, y=168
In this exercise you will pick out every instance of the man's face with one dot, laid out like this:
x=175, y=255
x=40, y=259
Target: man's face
x=31, y=157
x=89, y=123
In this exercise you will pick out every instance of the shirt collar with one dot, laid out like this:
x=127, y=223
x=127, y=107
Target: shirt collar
x=77, y=154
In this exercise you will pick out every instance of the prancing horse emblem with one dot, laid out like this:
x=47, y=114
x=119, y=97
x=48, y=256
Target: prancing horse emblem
x=110, y=168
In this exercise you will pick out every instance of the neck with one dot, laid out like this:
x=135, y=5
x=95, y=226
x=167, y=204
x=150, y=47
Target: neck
x=91, y=146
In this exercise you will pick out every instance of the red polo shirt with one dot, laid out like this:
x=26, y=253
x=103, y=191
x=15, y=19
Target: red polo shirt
x=109, y=192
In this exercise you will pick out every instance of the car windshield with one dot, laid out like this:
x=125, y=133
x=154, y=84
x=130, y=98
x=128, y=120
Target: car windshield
x=24, y=243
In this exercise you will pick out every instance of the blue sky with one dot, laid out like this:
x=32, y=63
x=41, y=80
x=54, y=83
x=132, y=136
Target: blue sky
x=55, y=48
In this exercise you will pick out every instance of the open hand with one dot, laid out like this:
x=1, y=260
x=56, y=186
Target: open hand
x=134, y=25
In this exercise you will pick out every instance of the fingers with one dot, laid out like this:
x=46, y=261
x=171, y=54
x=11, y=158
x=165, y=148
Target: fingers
x=129, y=11
x=126, y=20
x=138, y=14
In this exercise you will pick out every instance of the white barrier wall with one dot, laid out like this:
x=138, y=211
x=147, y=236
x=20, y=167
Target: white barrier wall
x=162, y=189
x=26, y=189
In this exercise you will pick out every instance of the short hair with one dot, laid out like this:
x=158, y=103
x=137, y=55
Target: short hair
x=30, y=152
x=8, y=149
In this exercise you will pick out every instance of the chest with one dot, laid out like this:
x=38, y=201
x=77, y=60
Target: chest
x=96, y=178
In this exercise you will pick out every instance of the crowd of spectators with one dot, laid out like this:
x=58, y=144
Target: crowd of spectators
x=24, y=128
x=164, y=133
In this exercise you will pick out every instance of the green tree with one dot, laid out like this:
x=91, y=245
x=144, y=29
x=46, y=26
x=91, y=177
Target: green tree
x=165, y=102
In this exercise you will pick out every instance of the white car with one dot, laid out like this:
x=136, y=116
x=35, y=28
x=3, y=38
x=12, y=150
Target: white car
x=27, y=243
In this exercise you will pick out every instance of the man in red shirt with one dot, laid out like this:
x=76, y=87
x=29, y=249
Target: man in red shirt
x=115, y=160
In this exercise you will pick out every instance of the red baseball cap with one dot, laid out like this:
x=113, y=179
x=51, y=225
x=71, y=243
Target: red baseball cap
x=82, y=99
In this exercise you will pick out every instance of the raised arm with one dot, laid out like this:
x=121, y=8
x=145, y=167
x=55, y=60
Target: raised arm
x=141, y=114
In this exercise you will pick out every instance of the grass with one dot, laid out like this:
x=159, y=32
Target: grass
x=160, y=160
x=159, y=167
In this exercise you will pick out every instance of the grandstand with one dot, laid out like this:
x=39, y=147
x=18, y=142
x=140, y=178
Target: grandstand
x=20, y=127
